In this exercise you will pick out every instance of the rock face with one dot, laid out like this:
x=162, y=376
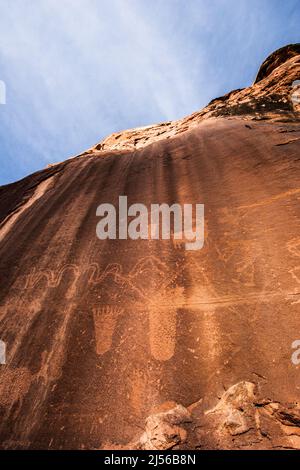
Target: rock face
x=105, y=338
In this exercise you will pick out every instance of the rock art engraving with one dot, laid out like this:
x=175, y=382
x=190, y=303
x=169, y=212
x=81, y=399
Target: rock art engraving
x=105, y=320
x=148, y=283
x=152, y=287
x=50, y=277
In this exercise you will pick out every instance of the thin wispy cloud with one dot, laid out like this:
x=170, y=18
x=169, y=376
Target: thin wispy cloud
x=77, y=70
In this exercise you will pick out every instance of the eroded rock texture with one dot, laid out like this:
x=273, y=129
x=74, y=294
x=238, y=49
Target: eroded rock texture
x=142, y=344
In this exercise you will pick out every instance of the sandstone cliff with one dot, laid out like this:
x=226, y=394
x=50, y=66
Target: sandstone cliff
x=142, y=344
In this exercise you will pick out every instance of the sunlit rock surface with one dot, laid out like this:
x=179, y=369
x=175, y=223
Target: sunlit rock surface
x=143, y=344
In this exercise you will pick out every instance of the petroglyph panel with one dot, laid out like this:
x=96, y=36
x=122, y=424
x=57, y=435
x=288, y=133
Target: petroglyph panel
x=154, y=288
x=51, y=278
x=105, y=320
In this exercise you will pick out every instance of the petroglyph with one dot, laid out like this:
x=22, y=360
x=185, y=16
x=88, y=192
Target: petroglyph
x=155, y=289
x=162, y=301
x=105, y=320
x=51, y=278
x=148, y=283
x=149, y=275
x=153, y=283
x=97, y=277
x=135, y=279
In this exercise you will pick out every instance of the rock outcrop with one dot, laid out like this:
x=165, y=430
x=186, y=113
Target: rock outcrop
x=141, y=343
x=268, y=98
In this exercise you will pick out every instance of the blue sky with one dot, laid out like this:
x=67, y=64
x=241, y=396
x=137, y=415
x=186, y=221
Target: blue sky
x=78, y=70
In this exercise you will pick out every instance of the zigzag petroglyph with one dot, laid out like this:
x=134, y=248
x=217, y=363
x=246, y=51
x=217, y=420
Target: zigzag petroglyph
x=155, y=289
